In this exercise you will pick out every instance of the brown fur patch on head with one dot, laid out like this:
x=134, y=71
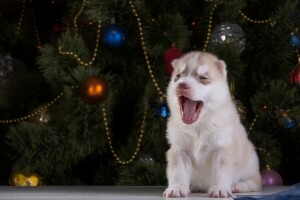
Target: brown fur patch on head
x=213, y=62
x=193, y=60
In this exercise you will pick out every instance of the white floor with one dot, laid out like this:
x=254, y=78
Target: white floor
x=106, y=192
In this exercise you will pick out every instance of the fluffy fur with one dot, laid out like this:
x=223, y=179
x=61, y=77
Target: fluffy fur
x=209, y=148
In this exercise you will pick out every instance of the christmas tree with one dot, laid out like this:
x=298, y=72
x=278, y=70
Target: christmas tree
x=83, y=83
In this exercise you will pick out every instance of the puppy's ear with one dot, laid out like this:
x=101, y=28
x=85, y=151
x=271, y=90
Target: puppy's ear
x=174, y=63
x=222, y=67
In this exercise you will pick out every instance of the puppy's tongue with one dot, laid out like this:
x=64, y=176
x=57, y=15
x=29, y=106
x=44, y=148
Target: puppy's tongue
x=189, y=109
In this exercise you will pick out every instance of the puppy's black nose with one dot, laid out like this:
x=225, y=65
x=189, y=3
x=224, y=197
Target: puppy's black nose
x=183, y=87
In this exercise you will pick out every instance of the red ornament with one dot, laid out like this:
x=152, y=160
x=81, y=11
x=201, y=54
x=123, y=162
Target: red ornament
x=295, y=75
x=94, y=90
x=56, y=28
x=10, y=8
x=171, y=54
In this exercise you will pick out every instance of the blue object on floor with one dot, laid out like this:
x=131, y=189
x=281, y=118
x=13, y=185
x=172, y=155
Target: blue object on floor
x=292, y=194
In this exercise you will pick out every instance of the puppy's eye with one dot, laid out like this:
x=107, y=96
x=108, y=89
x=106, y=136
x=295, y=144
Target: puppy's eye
x=177, y=77
x=203, y=78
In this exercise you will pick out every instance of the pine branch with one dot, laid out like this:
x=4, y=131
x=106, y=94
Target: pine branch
x=268, y=150
x=168, y=29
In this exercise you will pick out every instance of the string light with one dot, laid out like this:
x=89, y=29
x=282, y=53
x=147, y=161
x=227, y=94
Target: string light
x=253, y=123
x=88, y=63
x=70, y=53
x=159, y=90
x=139, y=141
x=232, y=87
x=209, y=26
x=267, y=154
x=73, y=9
x=39, y=44
x=298, y=54
x=10, y=121
x=37, y=35
x=212, y=1
x=118, y=159
x=21, y=17
x=77, y=16
x=272, y=23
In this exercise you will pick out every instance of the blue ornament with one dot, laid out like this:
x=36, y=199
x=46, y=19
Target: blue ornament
x=290, y=122
x=294, y=41
x=114, y=35
x=163, y=111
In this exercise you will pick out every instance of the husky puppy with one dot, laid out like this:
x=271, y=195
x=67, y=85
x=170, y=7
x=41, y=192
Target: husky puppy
x=209, y=148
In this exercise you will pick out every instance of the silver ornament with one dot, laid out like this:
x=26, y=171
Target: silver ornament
x=8, y=66
x=229, y=33
x=147, y=159
x=41, y=115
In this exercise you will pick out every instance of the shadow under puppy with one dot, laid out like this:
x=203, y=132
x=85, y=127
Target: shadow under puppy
x=209, y=148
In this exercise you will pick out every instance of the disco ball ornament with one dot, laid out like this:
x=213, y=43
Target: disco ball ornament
x=229, y=33
x=94, y=90
x=271, y=178
x=163, y=110
x=295, y=75
x=114, y=35
x=7, y=68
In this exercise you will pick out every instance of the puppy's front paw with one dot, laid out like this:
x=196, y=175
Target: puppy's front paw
x=176, y=192
x=219, y=192
x=240, y=187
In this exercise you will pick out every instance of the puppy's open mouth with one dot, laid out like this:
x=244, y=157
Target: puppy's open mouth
x=190, y=109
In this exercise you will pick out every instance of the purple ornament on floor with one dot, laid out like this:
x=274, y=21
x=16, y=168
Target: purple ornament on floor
x=271, y=178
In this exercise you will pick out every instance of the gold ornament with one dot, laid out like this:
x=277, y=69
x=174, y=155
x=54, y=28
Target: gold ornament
x=94, y=90
x=24, y=179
